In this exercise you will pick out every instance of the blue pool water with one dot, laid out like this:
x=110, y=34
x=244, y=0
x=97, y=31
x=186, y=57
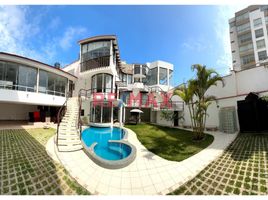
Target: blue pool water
x=104, y=149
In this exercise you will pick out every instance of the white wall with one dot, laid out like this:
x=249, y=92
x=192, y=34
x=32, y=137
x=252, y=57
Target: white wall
x=11, y=111
x=237, y=86
x=14, y=96
x=161, y=121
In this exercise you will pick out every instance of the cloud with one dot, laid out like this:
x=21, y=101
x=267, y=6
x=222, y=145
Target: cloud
x=20, y=33
x=224, y=13
x=15, y=29
x=54, y=23
x=69, y=35
x=197, y=45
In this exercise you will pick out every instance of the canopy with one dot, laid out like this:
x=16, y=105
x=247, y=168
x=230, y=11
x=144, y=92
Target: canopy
x=136, y=111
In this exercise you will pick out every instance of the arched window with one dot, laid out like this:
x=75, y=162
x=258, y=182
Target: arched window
x=102, y=83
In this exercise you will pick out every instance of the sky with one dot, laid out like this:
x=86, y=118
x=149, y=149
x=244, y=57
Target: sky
x=182, y=35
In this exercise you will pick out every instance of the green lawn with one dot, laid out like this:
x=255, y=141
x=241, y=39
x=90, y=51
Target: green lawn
x=169, y=143
x=27, y=169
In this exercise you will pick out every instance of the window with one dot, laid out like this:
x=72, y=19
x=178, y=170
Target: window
x=260, y=44
x=170, y=76
x=163, y=76
x=232, y=41
x=102, y=83
x=53, y=84
x=2, y=71
x=234, y=61
x=266, y=20
x=259, y=33
x=129, y=79
x=152, y=76
x=137, y=69
x=248, y=59
x=95, y=54
x=232, y=24
x=244, y=38
x=82, y=112
x=243, y=27
x=257, y=22
x=245, y=47
x=27, y=79
x=243, y=16
x=262, y=55
x=144, y=69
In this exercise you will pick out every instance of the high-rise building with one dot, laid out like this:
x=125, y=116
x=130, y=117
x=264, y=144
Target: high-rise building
x=249, y=37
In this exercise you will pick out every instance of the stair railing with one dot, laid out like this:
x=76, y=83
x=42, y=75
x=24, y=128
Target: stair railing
x=86, y=94
x=60, y=115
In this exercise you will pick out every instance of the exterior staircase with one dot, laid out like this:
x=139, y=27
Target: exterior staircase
x=68, y=133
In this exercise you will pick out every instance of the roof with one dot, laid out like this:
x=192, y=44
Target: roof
x=101, y=38
x=38, y=62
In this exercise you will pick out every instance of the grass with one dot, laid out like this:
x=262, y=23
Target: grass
x=28, y=169
x=169, y=143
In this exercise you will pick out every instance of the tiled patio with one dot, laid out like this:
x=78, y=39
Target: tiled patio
x=242, y=169
x=25, y=167
x=147, y=175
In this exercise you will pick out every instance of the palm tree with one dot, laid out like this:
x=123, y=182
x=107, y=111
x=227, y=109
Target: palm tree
x=186, y=93
x=205, y=78
x=194, y=95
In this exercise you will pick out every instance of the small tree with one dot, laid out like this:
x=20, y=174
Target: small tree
x=169, y=115
x=193, y=94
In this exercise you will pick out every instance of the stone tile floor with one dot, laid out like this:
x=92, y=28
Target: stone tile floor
x=148, y=174
x=26, y=168
x=242, y=169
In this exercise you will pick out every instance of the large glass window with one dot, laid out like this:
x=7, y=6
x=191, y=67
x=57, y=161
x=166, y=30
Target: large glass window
x=152, y=76
x=102, y=83
x=243, y=16
x=100, y=113
x=259, y=33
x=163, y=76
x=24, y=78
x=248, y=59
x=257, y=22
x=243, y=27
x=262, y=55
x=244, y=38
x=27, y=79
x=246, y=47
x=260, y=44
x=53, y=84
x=95, y=54
x=106, y=114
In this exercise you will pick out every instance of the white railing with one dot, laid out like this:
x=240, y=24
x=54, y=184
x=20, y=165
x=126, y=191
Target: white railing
x=8, y=85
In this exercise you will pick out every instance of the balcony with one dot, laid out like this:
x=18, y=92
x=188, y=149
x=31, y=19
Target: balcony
x=95, y=63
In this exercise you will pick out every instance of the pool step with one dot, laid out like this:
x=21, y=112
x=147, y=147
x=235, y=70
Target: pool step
x=68, y=137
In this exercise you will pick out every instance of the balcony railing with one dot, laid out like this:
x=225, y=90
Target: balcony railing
x=95, y=63
x=8, y=85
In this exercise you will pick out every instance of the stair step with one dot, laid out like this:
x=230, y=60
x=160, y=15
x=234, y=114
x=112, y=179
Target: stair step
x=68, y=142
x=70, y=148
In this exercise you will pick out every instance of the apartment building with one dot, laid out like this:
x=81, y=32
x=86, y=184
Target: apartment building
x=249, y=37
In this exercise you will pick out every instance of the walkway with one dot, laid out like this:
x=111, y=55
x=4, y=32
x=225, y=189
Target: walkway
x=242, y=169
x=147, y=175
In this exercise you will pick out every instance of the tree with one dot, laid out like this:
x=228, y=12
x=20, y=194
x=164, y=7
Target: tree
x=194, y=96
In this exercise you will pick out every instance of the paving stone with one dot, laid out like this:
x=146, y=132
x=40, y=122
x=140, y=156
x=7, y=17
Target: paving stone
x=244, y=171
x=26, y=168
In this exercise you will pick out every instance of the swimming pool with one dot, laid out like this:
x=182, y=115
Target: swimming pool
x=105, y=145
